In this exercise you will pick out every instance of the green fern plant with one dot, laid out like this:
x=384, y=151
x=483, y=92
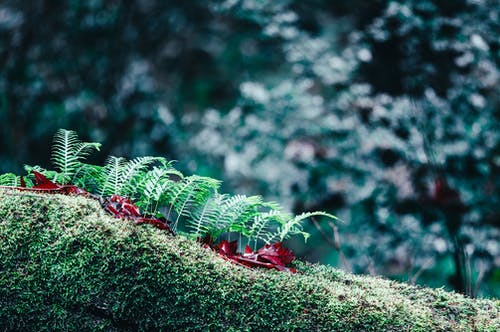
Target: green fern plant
x=68, y=152
x=10, y=180
x=264, y=226
x=120, y=176
x=293, y=226
x=236, y=212
x=88, y=177
x=188, y=195
x=154, y=185
x=224, y=213
x=158, y=188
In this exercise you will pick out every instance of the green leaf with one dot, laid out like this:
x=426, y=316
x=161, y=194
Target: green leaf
x=68, y=151
x=10, y=179
x=294, y=225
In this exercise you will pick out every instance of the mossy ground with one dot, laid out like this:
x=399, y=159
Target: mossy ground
x=66, y=265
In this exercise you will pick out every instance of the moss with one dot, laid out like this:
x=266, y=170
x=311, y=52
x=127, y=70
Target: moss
x=66, y=265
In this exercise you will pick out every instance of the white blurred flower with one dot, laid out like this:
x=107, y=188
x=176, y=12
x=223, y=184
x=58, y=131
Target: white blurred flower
x=255, y=91
x=365, y=55
x=479, y=43
x=477, y=100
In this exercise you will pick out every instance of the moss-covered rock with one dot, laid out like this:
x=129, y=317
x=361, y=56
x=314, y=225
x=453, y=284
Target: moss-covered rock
x=66, y=265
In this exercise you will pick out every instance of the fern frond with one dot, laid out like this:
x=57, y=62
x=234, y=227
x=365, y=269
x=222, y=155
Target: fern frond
x=152, y=186
x=88, y=177
x=294, y=225
x=224, y=213
x=171, y=171
x=129, y=177
x=131, y=173
x=189, y=194
x=68, y=151
x=112, y=176
x=10, y=180
x=237, y=211
x=203, y=221
x=264, y=225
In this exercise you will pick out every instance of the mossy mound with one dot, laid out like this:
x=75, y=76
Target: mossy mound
x=66, y=265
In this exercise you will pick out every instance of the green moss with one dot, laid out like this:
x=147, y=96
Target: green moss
x=66, y=265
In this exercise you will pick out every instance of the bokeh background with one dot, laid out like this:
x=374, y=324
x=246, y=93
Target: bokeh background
x=359, y=108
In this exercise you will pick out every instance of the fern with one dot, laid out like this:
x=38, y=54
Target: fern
x=10, y=180
x=88, y=177
x=111, y=177
x=264, y=226
x=121, y=177
x=224, y=213
x=68, y=151
x=294, y=225
x=237, y=211
x=204, y=221
x=189, y=194
x=132, y=172
x=155, y=185
x=152, y=186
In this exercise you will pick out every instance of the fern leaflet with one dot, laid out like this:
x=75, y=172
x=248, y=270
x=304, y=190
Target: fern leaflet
x=294, y=225
x=111, y=177
x=68, y=151
x=9, y=179
x=192, y=192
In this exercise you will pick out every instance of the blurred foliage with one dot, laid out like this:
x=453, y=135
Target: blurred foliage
x=354, y=107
